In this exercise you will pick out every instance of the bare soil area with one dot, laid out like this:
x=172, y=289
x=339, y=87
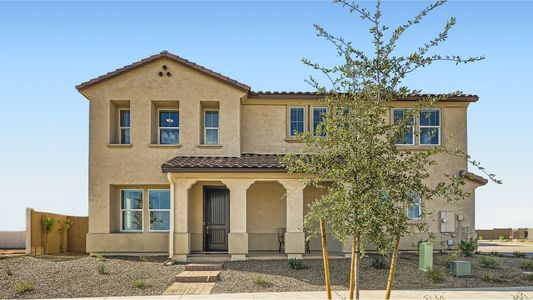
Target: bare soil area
x=277, y=276
x=78, y=276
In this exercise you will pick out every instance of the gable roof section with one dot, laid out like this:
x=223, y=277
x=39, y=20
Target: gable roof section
x=170, y=56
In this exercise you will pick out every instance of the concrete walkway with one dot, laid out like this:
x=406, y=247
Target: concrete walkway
x=480, y=293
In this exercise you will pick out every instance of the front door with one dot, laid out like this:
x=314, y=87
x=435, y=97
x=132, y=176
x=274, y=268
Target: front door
x=216, y=218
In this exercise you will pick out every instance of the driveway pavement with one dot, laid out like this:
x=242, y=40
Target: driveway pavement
x=506, y=248
x=482, y=293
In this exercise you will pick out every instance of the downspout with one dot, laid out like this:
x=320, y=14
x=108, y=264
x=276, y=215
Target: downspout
x=171, y=229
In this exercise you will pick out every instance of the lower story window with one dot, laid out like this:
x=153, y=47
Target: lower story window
x=131, y=210
x=415, y=209
x=159, y=206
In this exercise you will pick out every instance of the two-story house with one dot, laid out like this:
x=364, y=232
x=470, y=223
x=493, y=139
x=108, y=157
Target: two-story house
x=182, y=161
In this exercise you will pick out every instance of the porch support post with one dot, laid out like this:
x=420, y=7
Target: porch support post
x=181, y=237
x=294, y=237
x=238, y=235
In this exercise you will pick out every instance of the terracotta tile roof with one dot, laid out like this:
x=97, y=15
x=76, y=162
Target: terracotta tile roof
x=247, y=162
x=473, y=177
x=163, y=54
x=315, y=95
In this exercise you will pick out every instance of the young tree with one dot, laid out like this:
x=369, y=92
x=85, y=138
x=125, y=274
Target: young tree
x=353, y=152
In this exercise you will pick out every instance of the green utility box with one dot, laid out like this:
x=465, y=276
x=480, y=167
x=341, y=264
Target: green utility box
x=460, y=268
x=425, y=252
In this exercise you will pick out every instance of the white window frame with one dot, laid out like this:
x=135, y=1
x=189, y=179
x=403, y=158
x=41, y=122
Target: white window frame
x=313, y=116
x=412, y=126
x=420, y=126
x=157, y=209
x=291, y=134
x=159, y=128
x=211, y=128
x=123, y=127
x=419, y=204
x=123, y=210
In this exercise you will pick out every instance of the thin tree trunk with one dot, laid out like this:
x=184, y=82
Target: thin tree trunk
x=392, y=269
x=325, y=258
x=352, y=268
x=356, y=267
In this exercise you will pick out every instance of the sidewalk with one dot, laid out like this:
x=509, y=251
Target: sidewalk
x=480, y=293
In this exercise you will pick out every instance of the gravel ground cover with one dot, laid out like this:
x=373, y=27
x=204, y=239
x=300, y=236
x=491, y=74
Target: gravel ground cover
x=276, y=276
x=78, y=276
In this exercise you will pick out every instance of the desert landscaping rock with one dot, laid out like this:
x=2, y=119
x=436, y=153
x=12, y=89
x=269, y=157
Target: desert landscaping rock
x=77, y=276
x=237, y=276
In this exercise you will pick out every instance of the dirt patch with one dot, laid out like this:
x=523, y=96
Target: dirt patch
x=78, y=276
x=276, y=276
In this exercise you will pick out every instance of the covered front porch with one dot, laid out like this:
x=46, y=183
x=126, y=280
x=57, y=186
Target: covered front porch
x=241, y=216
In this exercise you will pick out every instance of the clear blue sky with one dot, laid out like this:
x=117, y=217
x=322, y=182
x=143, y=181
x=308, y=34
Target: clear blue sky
x=48, y=48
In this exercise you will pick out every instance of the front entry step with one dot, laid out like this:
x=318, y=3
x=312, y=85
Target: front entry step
x=197, y=276
x=203, y=267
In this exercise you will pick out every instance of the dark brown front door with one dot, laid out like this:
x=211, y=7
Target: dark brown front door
x=216, y=218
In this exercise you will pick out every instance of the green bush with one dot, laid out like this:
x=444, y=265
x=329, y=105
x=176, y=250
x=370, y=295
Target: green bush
x=100, y=258
x=468, y=247
x=260, y=280
x=435, y=275
x=296, y=264
x=487, y=277
x=102, y=269
x=519, y=254
x=379, y=262
x=521, y=296
x=451, y=256
x=501, y=238
x=23, y=287
x=488, y=262
x=530, y=276
x=496, y=253
x=138, y=284
x=527, y=264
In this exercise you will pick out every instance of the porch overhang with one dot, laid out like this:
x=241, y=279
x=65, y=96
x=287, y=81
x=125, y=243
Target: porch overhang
x=246, y=163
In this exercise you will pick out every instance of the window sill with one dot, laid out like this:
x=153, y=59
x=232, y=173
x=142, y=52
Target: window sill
x=118, y=145
x=164, y=146
x=205, y=146
x=416, y=147
x=293, y=140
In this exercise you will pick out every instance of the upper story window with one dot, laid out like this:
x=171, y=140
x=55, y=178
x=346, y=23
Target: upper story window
x=415, y=209
x=399, y=114
x=430, y=127
x=131, y=210
x=169, y=127
x=319, y=113
x=159, y=207
x=211, y=127
x=124, y=128
x=296, y=120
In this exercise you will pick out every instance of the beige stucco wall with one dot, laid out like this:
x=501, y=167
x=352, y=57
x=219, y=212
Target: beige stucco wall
x=246, y=126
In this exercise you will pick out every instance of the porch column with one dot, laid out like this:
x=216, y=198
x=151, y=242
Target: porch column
x=179, y=231
x=294, y=237
x=238, y=235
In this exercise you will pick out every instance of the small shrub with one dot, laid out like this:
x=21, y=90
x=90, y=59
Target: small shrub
x=519, y=254
x=468, y=247
x=8, y=271
x=436, y=297
x=435, y=275
x=138, y=284
x=100, y=258
x=501, y=238
x=379, y=262
x=102, y=269
x=23, y=287
x=487, y=277
x=527, y=264
x=143, y=258
x=296, y=264
x=451, y=256
x=530, y=276
x=260, y=280
x=480, y=237
x=488, y=262
x=521, y=296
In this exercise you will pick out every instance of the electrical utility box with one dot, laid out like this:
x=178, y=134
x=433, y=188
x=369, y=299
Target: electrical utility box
x=460, y=268
x=447, y=221
x=425, y=256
